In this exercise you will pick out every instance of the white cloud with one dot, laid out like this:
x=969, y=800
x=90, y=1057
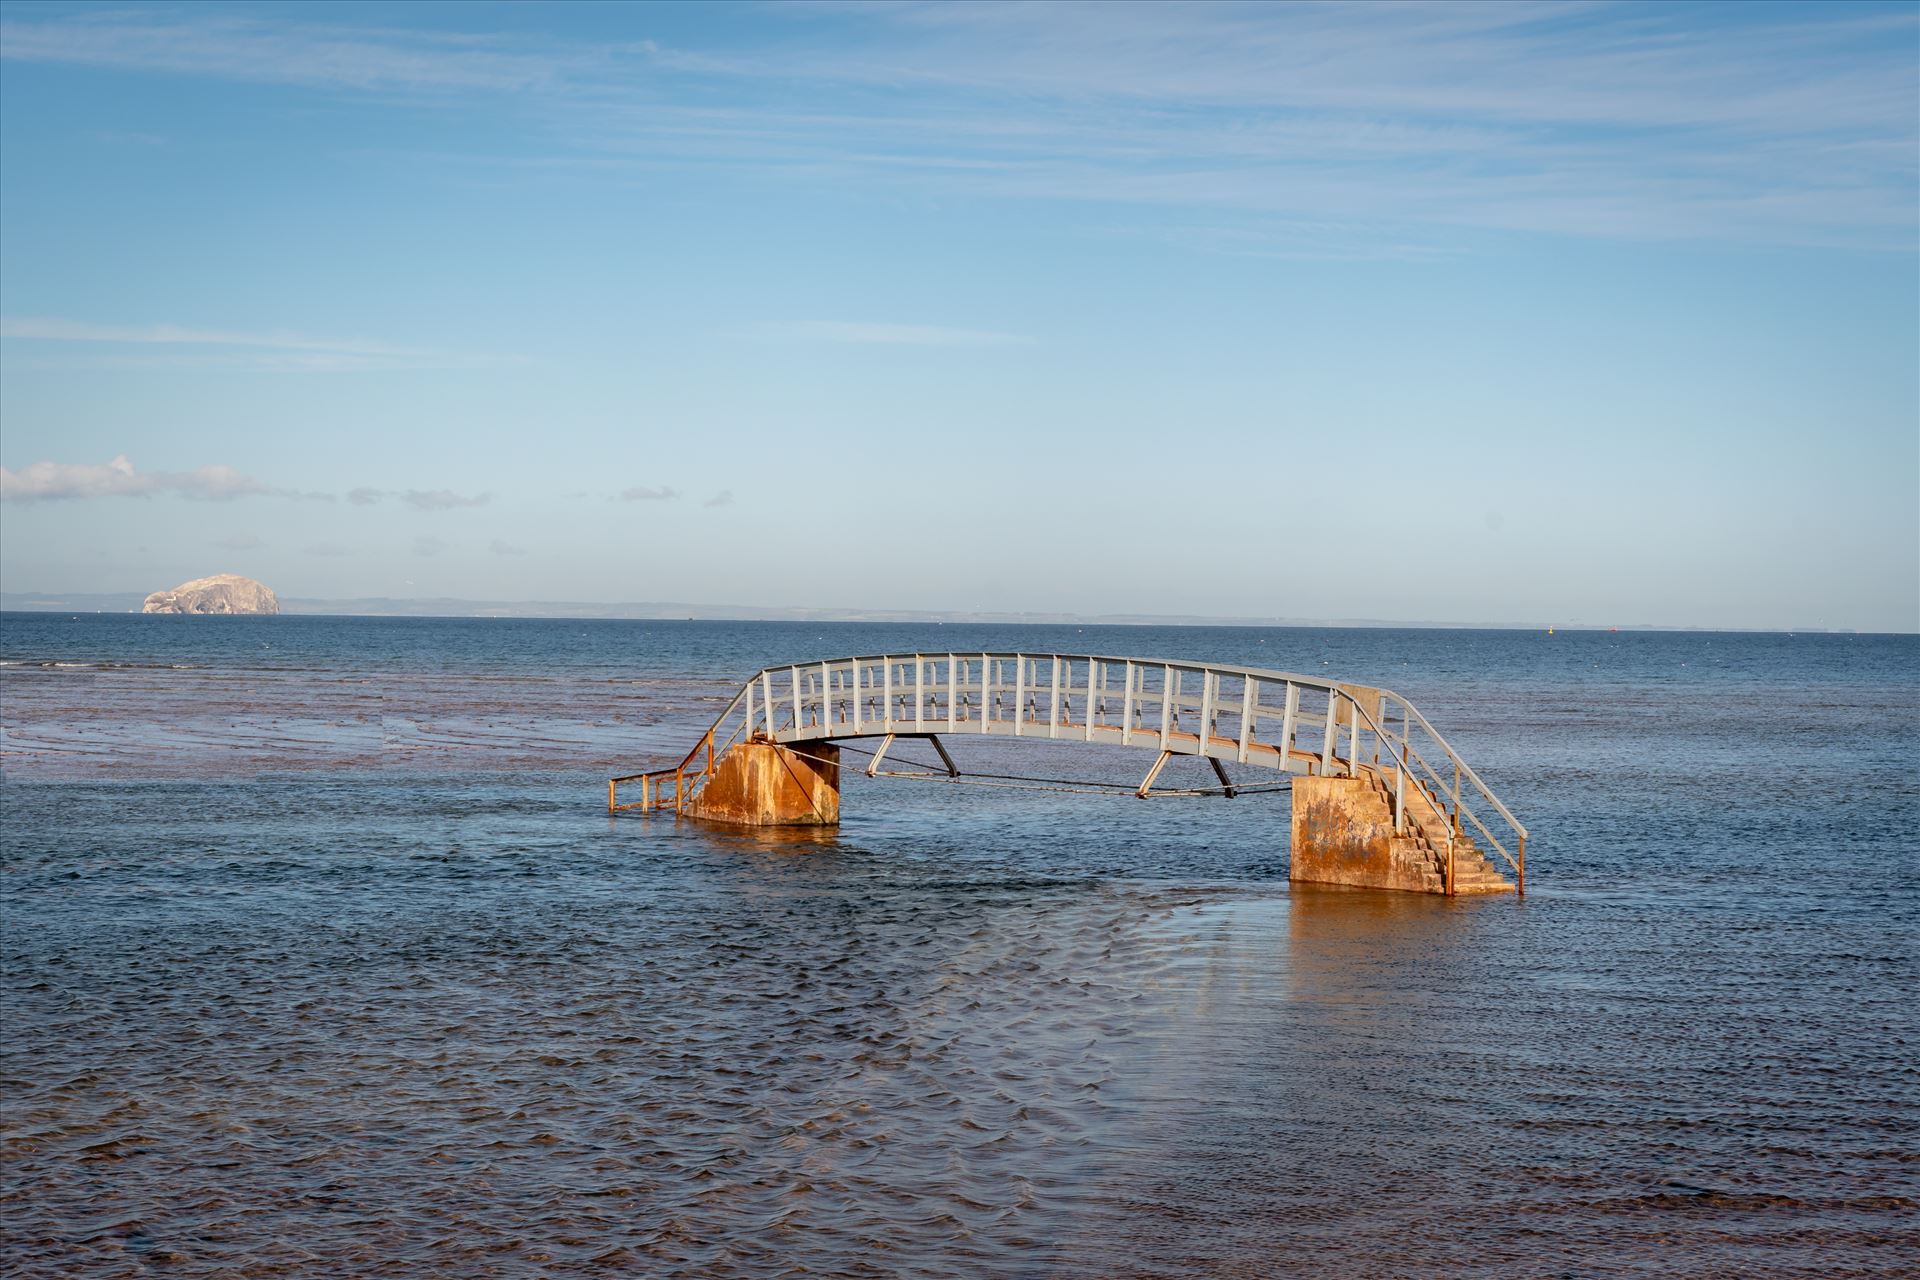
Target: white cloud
x=724, y=498
x=52, y=481
x=645, y=493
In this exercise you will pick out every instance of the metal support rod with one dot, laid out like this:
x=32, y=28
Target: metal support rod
x=873, y=765
x=1159, y=763
x=953, y=770
x=1220, y=772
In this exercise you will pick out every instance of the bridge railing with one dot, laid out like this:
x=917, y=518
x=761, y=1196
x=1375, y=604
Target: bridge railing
x=1249, y=715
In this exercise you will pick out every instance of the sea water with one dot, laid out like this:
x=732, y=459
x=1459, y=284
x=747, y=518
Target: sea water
x=322, y=956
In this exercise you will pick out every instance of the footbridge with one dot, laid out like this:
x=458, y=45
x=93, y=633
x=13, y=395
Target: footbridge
x=1380, y=799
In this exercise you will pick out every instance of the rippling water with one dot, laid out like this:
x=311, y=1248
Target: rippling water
x=322, y=957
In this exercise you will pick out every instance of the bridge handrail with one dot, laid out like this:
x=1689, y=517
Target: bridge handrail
x=1400, y=747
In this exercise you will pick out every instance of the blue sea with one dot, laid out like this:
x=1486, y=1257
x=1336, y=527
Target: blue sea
x=322, y=956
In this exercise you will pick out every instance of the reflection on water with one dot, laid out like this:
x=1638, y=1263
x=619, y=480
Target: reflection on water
x=375, y=1018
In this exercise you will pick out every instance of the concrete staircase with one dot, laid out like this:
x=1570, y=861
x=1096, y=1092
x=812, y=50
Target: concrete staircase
x=1423, y=839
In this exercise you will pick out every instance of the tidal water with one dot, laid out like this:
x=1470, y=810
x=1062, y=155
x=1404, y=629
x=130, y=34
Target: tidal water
x=320, y=956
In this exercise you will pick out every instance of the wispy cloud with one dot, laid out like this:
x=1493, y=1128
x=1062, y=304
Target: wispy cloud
x=229, y=347
x=501, y=548
x=257, y=49
x=724, y=498
x=1756, y=123
x=239, y=542
x=893, y=335
x=419, y=499
x=55, y=481
x=443, y=499
x=427, y=546
x=648, y=493
x=331, y=550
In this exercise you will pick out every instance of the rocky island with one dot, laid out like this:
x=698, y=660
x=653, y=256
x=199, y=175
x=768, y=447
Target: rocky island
x=222, y=593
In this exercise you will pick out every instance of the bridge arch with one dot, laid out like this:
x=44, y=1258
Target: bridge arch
x=1358, y=753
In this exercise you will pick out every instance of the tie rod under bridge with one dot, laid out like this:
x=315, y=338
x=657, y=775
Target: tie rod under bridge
x=1378, y=784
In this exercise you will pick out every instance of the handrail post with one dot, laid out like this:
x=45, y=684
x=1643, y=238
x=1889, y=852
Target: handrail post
x=1399, y=800
x=1456, y=795
x=1332, y=727
x=1449, y=868
x=1520, y=869
x=1353, y=738
x=611, y=784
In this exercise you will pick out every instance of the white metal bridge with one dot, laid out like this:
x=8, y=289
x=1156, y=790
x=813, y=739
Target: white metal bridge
x=1274, y=722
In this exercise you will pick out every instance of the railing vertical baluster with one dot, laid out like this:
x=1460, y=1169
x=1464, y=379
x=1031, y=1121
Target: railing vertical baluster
x=1053, y=709
x=1287, y=726
x=1206, y=710
x=793, y=677
x=1019, y=696
x=1326, y=745
x=853, y=691
x=826, y=698
x=1126, y=709
x=952, y=692
x=1093, y=679
x=1456, y=795
x=1353, y=738
x=919, y=691
x=1249, y=699
x=1167, y=685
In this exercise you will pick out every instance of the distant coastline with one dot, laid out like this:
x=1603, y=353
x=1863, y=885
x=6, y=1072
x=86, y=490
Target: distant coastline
x=680, y=611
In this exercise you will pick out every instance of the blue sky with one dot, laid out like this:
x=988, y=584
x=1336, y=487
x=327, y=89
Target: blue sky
x=1575, y=313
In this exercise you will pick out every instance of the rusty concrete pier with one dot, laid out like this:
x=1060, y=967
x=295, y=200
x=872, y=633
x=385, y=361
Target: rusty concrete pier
x=1380, y=799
